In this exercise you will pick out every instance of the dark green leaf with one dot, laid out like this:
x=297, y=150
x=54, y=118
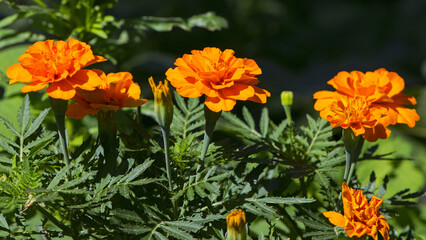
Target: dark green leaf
x=264, y=122
x=24, y=114
x=36, y=123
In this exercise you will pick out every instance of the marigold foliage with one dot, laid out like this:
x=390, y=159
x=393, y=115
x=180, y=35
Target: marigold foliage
x=221, y=76
x=367, y=103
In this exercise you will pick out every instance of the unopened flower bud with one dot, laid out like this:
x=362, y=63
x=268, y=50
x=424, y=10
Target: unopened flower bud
x=287, y=98
x=163, y=103
x=236, y=222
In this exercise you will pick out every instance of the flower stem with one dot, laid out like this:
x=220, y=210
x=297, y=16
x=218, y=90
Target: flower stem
x=211, y=119
x=59, y=107
x=166, y=134
x=287, y=110
x=353, y=145
x=107, y=130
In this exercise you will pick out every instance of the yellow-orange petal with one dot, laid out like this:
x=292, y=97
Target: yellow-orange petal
x=239, y=92
x=61, y=90
x=217, y=104
x=407, y=116
x=260, y=95
x=379, y=131
x=17, y=73
x=85, y=79
x=335, y=218
x=78, y=111
x=96, y=60
x=34, y=86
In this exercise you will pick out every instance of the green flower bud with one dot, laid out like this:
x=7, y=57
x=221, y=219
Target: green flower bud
x=236, y=222
x=163, y=103
x=287, y=98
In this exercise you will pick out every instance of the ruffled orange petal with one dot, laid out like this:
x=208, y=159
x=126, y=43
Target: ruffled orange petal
x=34, y=86
x=17, y=73
x=85, y=79
x=217, y=104
x=78, y=111
x=61, y=90
x=379, y=131
x=239, y=92
x=407, y=116
x=335, y=218
x=260, y=95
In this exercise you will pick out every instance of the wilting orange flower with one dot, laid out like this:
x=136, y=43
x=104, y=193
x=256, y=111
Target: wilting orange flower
x=361, y=217
x=117, y=90
x=54, y=63
x=367, y=103
x=236, y=225
x=220, y=76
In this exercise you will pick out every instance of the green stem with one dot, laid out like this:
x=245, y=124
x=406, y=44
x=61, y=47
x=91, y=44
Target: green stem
x=166, y=134
x=59, y=107
x=303, y=186
x=353, y=145
x=287, y=110
x=107, y=130
x=211, y=119
x=66, y=230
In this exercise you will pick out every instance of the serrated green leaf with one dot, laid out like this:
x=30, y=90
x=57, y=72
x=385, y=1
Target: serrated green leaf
x=281, y=200
x=159, y=236
x=179, y=234
x=208, y=20
x=76, y=181
x=9, y=125
x=312, y=123
x=200, y=191
x=138, y=171
x=7, y=148
x=248, y=118
x=39, y=144
x=190, y=194
x=264, y=122
x=59, y=176
x=134, y=229
x=3, y=222
x=24, y=114
x=124, y=190
x=36, y=122
x=145, y=181
x=9, y=20
x=302, y=141
x=126, y=214
x=74, y=191
x=185, y=225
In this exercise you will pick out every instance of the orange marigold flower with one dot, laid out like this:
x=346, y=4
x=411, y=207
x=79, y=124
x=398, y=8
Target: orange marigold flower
x=54, y=63
x=221, y=76
x=360, y=216
x=116, y=91
x=367, y=103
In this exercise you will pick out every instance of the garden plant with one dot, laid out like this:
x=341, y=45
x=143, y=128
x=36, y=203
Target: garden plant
x=88, y=157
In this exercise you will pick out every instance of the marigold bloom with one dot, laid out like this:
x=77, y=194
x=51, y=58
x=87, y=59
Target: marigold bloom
x=54, y=63
x=360, y=216
x=220, y=76
x=236, y=225
x=367, y=103
x=116, y=91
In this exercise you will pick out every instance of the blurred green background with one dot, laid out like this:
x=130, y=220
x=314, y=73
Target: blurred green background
x=299, y=45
